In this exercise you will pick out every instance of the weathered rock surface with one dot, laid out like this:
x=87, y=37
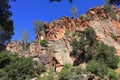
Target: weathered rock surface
x=58, y=51
x=56, y=29
x=105, y=26
x=34, y=48
x=14, y=46
x=62, y=52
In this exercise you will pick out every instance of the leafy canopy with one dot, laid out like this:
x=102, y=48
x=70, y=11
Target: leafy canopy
x=6, y=24
x=13, y=67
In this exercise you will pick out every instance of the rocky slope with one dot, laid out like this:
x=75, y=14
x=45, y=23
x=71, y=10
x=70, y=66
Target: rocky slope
x=60, y=33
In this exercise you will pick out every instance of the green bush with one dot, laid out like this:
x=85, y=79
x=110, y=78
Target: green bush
x=89, y=55
x=48, y=75
x=90, y=35
x=72, y=33
x=99, y=69
x=70, y=73
x=114, y=37
x=40, y=69
x=112, y=62
x=64, y=74
x=84, y=47
x=67, y=32
x=112, y=75
x=88, y=18
x=44, y=43
x=75, y=45
x=78, y=70
x=13, y=67
x=107, y=55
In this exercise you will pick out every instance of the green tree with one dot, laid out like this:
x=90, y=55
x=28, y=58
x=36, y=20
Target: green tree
x=107, y=55
x=90, y=35
x=6, y=24
x=64, y=74
x=84, y=48
x=112, y=75
x=75, y=45
x=13, y=67
x=40, y=69
x=100, y=69
x=71, y=73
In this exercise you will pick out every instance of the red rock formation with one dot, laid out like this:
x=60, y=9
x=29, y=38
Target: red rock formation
x=59, y=44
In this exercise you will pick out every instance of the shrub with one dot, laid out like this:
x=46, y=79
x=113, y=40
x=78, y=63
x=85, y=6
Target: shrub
x=107, y=55
x=40, y=69
x=13, y=67
x=85, y=44
x=50, y=75
x=70, y=73
x=100, y=69
x=90, y=35
x=112, y=62
x=72, y=33
x=114, y=37
x=67, y=32
x=44, y=43
x=88, y=18
x=89, y=53
x=47, y=76
x=112, y=75
x=75, y=45
x=64, y=74
x=78, y=70
x=92, y=66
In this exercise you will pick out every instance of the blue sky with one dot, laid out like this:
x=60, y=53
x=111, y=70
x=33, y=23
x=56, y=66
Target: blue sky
x=26, y=11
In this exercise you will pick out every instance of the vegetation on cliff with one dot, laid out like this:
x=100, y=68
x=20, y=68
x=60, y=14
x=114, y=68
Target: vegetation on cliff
x=99, y=57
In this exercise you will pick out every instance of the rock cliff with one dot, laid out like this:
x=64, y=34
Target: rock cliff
x=61, y=32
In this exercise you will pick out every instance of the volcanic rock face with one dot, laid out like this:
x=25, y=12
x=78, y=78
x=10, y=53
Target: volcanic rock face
x=57, y=53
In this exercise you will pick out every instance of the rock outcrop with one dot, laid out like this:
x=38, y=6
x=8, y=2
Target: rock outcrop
x=56, y=29
x=57, y=53
x=14, y=47
x=62, y=52
x=105, y=26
